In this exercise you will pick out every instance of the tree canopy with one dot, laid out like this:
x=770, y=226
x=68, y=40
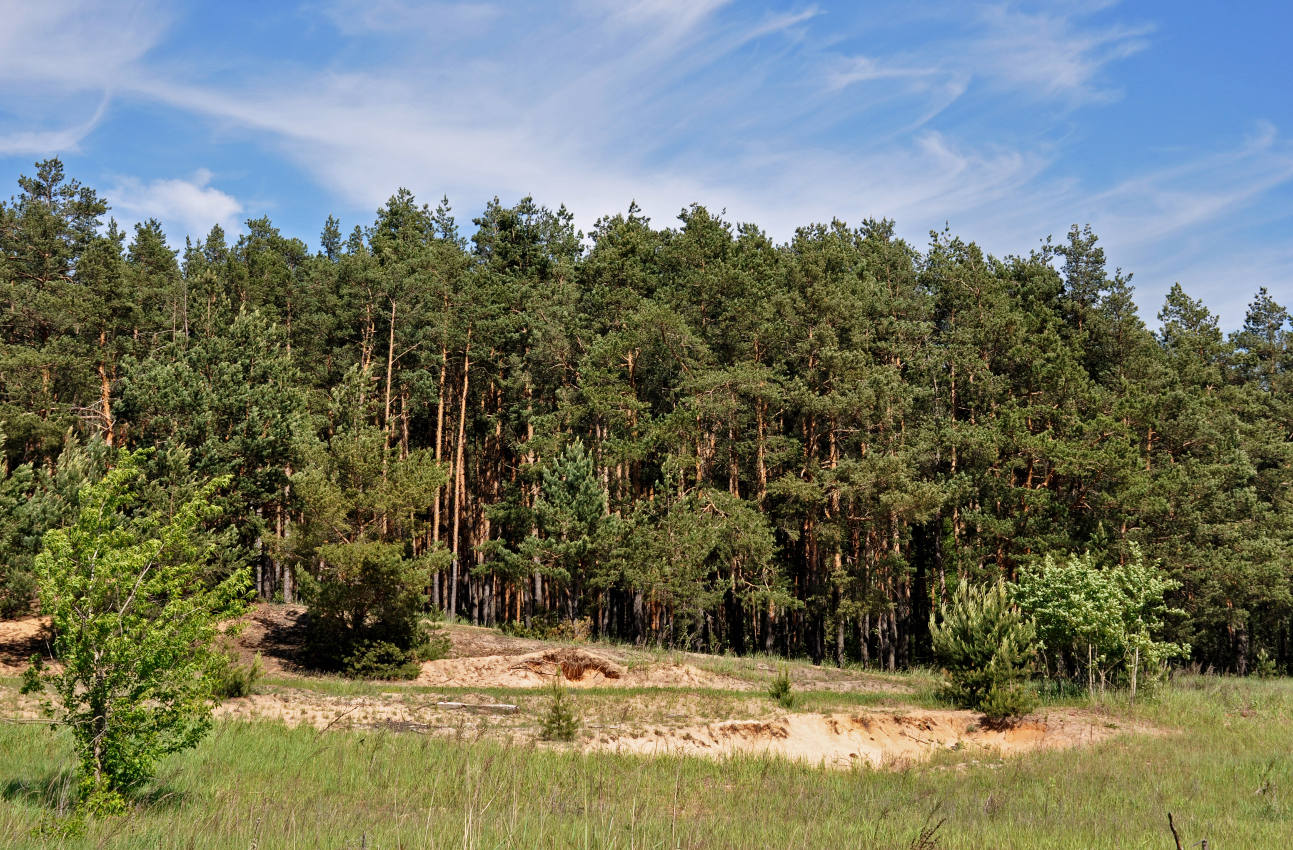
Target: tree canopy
x=688, y=433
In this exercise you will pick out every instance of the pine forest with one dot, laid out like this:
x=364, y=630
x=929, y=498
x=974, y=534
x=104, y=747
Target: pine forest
x=684, y=434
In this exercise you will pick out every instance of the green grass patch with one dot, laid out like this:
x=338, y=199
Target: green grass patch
x=1225, y=771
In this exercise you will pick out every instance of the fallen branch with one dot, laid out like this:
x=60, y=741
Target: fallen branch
x=1175, y=836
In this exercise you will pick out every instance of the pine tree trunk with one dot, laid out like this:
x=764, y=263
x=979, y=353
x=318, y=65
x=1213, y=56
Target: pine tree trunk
x=439, y=442
x=458, y=476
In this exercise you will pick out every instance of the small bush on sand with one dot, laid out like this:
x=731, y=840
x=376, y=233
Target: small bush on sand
x=561, y=721
x=379, y=659
x=780, y=690
x=1007, y=701
x=231, y=678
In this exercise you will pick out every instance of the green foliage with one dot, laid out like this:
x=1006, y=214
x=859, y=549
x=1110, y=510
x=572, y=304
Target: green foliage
x=560, y=721
x=133, y=630
x=233, y=403
x=987, y=647
x=683, y=433
x=1098, y=620
x=1264, y=666
x=33, y=500
x=694, y=550
x=366, y=592
x=379, y=659
x=572, y=530
x=1003, y=702
x=781, y=692
x=231, y=678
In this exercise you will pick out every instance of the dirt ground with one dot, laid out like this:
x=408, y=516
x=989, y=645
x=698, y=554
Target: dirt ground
x=19, y=640
x=642, y=702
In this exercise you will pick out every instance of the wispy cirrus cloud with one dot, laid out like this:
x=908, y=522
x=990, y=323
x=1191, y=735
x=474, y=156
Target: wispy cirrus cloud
x=1049, y=53
x=866, y=69
x=77, y=44
x=410, y=19
x=46, y=142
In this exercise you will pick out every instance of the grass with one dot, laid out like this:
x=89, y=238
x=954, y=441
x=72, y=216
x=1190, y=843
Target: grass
x=1227, y=776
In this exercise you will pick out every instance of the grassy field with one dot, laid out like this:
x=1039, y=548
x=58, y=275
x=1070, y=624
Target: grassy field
x=1223, y=765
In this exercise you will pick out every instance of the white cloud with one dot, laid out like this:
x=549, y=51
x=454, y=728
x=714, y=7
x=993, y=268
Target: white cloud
x=866, y=69
x=1052, y=53
x=414, y=19
x=1049, y=54
x=77, y=44
x=596, y=102
x=192, y=205
x=675, y=15
x=46, y=142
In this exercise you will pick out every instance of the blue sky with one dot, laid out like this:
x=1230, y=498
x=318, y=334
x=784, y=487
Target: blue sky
x=1166, y=126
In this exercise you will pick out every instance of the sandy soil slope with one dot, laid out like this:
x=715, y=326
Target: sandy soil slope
x=646, y=703
x=19, y=640
x=877, y=738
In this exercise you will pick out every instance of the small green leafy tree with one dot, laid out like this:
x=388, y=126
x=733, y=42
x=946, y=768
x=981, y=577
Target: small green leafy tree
x=987, y=647
x=1101, y=623
x=134, y=627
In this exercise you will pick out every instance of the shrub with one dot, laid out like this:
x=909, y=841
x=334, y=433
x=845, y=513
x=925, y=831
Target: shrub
x=385, y=659
x=366, y=594
x=379, y=659
x=986, y=647
x=561, y=721
x=431, y=644
x=232, y=679
x=1102, y=622
x=1264, y=665
x=780, y=690
x=1005, y=701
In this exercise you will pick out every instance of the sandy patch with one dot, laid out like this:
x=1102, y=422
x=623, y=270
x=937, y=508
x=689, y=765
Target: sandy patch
x=880, y=739
x=576, y=666
x=530, y=670
x=275, y=633
x=19, y=640
x=478, y=642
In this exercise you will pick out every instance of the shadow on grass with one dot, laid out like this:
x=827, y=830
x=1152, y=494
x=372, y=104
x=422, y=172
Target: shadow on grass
x=56, y=793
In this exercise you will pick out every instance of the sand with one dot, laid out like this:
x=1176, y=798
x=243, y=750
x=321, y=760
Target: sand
x=19, y=639
x=670, y=703
x=875, y=738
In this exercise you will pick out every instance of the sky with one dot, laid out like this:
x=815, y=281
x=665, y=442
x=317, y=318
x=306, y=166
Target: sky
x=1166, y=126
